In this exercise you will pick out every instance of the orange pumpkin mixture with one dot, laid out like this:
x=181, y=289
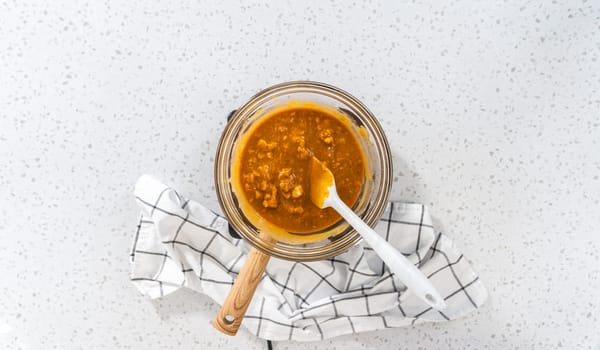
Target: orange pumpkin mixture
x=275, y=166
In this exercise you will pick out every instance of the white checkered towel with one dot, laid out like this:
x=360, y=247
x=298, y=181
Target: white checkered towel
x=180, y=243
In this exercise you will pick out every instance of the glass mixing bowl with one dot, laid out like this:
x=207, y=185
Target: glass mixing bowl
x=376, y=184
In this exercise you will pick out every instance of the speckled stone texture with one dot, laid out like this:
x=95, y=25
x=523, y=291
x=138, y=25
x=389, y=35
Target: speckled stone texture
x=492, y=110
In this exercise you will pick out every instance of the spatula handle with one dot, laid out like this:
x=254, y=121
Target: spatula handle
x=398, y=264
x=230, y=316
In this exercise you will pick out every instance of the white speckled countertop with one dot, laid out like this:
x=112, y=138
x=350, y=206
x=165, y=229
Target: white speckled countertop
x=492, y=110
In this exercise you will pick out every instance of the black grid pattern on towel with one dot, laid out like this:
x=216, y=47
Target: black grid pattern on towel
x=319, y=279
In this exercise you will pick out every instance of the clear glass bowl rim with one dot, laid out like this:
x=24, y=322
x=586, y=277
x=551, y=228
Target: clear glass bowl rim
x=225, y=148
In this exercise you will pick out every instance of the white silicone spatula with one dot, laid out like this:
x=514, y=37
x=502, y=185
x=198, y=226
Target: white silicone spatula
x=323, y=194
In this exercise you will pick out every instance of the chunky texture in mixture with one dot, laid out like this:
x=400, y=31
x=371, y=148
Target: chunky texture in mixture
x=275, y=166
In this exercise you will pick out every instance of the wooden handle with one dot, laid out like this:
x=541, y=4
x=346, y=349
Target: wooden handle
x=229, y=318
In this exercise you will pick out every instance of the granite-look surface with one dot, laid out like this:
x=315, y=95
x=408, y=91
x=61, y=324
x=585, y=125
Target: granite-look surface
x=492, y=110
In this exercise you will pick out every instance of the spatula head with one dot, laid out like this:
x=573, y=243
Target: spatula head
x=322, y=182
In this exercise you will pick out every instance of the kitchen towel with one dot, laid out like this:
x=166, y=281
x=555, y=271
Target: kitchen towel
x=179, y=243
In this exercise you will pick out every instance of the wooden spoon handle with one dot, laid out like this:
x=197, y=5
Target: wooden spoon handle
x=229, y=318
